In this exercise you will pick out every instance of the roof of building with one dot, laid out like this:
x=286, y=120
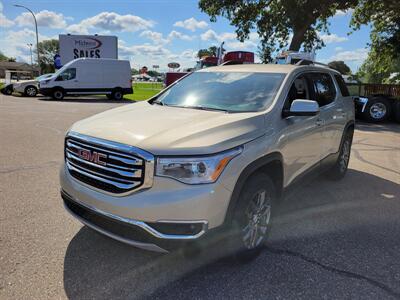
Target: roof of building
x=16, y=65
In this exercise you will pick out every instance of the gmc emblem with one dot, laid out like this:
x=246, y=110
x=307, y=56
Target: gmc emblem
x=94, y=157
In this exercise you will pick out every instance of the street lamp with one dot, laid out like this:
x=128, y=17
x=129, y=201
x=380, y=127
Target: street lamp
x=30, y=48
x=37, y=35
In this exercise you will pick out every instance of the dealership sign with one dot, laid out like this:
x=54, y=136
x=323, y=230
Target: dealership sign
x=173, y=65
x=91, y=46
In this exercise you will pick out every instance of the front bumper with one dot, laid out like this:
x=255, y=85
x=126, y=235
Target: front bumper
x=46, y=91
x=161, y=218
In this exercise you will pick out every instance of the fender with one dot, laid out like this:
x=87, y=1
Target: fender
x=246, y=173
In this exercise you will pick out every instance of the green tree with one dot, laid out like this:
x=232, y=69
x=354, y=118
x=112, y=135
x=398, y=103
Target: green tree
x=276, y=21
x=384, y=57
x=6, y=58
x=211, y=51
x=340, y=66
x=47, y=50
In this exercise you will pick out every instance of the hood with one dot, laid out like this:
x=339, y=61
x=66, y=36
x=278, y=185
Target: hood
x=164, y=130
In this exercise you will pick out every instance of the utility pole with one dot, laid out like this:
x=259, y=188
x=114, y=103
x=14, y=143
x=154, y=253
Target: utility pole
x=37, y=34
x=30, y=48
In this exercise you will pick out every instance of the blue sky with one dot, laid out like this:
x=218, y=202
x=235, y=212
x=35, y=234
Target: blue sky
x=153, y=31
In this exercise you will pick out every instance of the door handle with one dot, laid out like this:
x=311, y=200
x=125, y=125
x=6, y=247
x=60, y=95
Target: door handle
x=75, y=80
x=319, y=122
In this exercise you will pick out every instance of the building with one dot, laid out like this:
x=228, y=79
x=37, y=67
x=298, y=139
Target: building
x=17, y=66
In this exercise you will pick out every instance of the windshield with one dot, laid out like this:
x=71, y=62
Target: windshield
x=231, y=91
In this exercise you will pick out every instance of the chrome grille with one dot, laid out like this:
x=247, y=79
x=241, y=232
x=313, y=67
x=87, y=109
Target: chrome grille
x=108, y=166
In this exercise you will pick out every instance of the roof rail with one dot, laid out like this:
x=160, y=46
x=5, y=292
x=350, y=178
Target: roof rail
x=305, y=62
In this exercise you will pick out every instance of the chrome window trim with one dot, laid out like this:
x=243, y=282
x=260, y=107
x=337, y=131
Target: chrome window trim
x=148, y=158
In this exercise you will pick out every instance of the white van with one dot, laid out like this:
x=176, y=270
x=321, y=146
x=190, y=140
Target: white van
x=90, y=76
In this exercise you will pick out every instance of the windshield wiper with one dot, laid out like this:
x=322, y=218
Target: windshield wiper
x=201, y=108
x=157, y=102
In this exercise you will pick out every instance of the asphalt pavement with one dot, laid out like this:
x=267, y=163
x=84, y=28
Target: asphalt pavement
x=332, y=240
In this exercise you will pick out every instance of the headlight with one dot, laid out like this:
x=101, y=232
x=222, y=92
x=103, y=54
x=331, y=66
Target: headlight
x=195, y=170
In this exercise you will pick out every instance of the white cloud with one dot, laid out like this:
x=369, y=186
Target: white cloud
x=156, y=37
x=111, y=21
x=45, y=18
x=359, y=54
x=211, y=35
x=4, y=22
x=241, y=45
x=145, y=49
x=17, y=41
x=341, y=13
x=332, y=38
x=337, y=49
x=180, y=36
x=191, y=24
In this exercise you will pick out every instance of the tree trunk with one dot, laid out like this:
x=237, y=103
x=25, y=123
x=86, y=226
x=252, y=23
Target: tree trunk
x=298, y=38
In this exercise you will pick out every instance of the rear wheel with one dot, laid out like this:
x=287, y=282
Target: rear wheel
x=117, y=95
x=253, y=216
x=30, y=91
x=378, y=109
x=58, y=94
x=8, y=91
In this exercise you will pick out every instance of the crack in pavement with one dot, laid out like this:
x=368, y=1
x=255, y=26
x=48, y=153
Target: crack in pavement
x=32, y=167
x=348, y=274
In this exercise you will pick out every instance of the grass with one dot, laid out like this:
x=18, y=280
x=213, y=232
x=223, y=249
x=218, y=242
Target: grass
x=144, y=90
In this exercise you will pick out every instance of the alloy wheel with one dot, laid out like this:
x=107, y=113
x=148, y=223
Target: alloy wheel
x=258, y=214
x=31, y=91
x=345, y=156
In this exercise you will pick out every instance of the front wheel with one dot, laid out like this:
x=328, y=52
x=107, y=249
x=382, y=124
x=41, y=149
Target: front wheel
x=253, y=215
x=340, y=168
x=30, y=91
x=58, y=94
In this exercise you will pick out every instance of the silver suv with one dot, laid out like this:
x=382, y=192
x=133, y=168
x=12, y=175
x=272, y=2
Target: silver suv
x=216, y=150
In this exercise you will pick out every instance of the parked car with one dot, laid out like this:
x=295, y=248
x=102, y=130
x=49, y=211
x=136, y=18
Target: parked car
x=30, y=88
x=90, y=76
x=211, y=154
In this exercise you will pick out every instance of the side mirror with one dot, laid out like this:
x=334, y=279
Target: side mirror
x=302, y=107
x=59, y=78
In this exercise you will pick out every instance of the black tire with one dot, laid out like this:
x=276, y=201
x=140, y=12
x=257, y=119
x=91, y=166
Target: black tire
x=58, y=94
x=30, y=91
x=117, y=95
x=339, y=169
x=378, y=109
x=396, y=113
x=8, y=91
x=246, y=219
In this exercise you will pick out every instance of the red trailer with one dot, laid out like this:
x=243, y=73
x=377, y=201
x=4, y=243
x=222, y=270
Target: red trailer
x=233, y=57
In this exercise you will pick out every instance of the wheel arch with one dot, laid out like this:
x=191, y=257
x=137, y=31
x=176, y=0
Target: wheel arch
x=270, y=164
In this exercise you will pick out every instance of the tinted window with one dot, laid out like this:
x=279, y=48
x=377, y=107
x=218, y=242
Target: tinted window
x=232, y=91
x=325, y=91
x=342, y=86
